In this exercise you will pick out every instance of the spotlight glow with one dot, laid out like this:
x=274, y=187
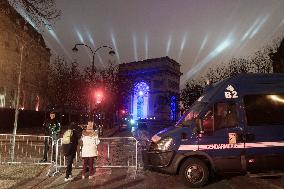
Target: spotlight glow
x=94, y=46
x=53, y=34
x=115, y=46
x=146, y=47
x=79, y=35
x=250, y=29
x=81, y=39
x=201, y=48
x=90, y=38
x=184, y=39
x=135, y=47
x=225, y=44
x=260, y=24
x=169, y=45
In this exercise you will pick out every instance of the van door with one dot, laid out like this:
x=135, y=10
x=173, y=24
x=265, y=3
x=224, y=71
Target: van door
x=264, y=139
x=219, y=137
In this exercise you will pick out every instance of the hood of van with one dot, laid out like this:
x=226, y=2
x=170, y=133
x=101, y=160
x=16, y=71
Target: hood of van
x=173, y=132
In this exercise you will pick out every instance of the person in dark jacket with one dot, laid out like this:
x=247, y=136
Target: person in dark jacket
x=70, y=149
x=52, y=129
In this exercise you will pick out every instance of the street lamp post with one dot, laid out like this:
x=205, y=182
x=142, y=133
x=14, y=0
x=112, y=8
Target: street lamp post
x=111, y=52
x=75, y=49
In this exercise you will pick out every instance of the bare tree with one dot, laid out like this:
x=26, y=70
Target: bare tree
x=190, y=93
x=67, y=86
x=19, y=66
x=109, y=81
x=214, y=75
x=41, y=12
x=260, y=62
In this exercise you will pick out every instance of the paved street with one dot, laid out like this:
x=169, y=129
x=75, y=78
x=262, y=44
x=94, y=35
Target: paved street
x=151, y=180
x=116, y=178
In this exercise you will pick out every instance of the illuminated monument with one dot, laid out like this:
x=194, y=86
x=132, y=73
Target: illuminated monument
x=150, y=88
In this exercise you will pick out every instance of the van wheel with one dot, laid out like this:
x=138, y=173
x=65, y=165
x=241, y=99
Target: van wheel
x=194, y=173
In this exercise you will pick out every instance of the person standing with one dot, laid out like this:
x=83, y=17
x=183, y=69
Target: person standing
x=52, y=129
x=90, y=140
x=70, y=146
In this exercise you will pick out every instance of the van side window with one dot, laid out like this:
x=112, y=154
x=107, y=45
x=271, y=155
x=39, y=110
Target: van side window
x=264, y=109
x=225, y=115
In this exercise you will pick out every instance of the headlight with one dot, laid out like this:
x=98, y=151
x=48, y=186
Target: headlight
x=164, y=144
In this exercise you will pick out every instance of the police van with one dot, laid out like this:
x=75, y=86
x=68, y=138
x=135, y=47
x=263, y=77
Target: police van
x=236, y=126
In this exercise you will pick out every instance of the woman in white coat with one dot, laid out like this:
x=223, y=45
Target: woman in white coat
x=90, y=141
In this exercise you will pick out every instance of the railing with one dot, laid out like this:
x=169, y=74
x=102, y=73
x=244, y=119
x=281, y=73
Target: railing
x=28, y=148
x=112, y=152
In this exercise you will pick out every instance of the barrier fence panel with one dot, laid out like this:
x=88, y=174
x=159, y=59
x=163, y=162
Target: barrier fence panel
x=28, y=148
x=112, y=152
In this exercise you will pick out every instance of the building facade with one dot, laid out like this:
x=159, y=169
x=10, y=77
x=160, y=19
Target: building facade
x=150, y=88
x=22, y=49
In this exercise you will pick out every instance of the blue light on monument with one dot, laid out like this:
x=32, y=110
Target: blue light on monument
x=140, y=104
x=173, y=108
x=140, y=101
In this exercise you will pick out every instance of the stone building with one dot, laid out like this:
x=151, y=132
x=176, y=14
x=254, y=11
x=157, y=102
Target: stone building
x=150, y=88
x=19, y=39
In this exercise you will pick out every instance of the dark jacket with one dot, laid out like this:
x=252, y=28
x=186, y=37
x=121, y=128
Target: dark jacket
x=51, y=127
x=71, y=148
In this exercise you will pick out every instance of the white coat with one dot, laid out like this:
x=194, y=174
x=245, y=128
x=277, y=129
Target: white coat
x=89, y=148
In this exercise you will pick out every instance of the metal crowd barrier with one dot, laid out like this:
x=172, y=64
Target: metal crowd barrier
x=112, y=152
x=28, y=149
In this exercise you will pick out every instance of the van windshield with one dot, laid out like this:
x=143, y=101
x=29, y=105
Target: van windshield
x=191, y=114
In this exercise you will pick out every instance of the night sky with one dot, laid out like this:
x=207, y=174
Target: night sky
x=195, y=33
